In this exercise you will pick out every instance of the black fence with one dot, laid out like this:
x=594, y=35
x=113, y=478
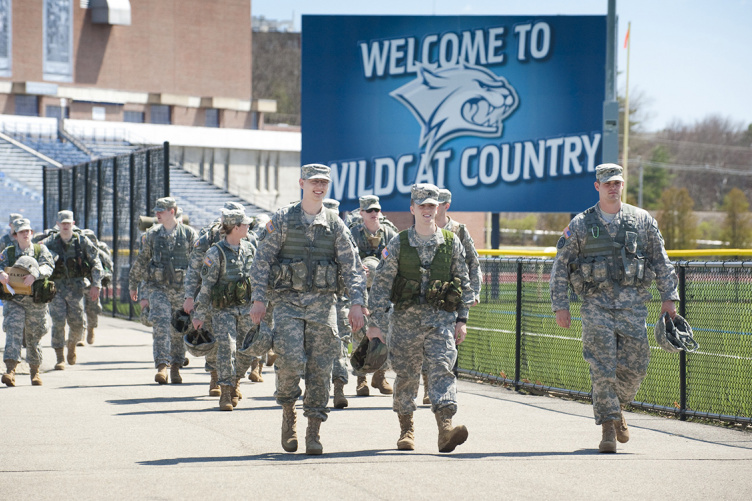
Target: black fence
x=513, y=339
x=107, y=196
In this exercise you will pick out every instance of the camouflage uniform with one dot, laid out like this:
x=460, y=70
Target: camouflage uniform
x=94, y=308
x=7, y=239
x=614, y=337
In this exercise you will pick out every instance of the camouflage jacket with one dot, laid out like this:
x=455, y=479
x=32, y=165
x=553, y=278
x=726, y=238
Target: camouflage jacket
x=361, y=234
x=61, y=250
x=140, y=269
x=45, y=261
x=471, y=255
x=213, y=267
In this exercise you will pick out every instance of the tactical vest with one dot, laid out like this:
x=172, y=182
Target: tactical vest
x=305, y=265
x=42, y=290
x=444, y=292
x=168, y=266
x=234, y=285
x=365, y=248
x=72, y=262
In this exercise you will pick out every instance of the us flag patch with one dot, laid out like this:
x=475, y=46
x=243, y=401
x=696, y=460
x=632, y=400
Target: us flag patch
x=270, y=227
x=384, y=253
x=208, y=261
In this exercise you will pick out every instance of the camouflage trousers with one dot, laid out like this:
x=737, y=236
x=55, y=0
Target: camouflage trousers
x=168, y=343
x=615, y=344
x=93, y=309
x=266, y=323
x=19, y=316
x=422, y=335
x=306, y=344
x=230, y=326
x=67, y=305
x=339, y=366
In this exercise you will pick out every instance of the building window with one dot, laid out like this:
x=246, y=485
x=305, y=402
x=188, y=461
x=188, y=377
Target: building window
x=27, y=106
x=160, y=114
x=136, y=117
x=58, y=40
x=6, y=39
x=53, y=111
x=212, y=117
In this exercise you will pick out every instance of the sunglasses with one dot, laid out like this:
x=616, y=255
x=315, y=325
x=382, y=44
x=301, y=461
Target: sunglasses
x=371, y=211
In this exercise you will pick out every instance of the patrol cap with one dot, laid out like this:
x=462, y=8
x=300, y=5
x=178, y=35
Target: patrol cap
x=29, y=264
x=234, y=206
x=166, y=203
x=608, y=172
x=235, y=217
x=369, y=202
x=13, y=216
x=445, y=196
x=65, y=216
x=21, y=224
x=331, y=203
x=315, y=171
x=424, y=193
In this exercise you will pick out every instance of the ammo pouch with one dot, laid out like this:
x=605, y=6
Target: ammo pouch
x=42, y=291
x=404, y=292
x=576, y=279
x=446, y=296
x=295, y=275
x=231, y=294
x=326, y=277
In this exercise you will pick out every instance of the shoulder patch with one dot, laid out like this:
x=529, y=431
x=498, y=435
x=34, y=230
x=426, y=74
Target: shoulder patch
x=561, y=243
x=566, y=233
x=143, y=239
x=270, y=227
x=384, y=253
x=208, y=261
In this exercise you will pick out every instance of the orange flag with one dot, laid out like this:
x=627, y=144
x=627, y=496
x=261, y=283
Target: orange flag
x=626, y=38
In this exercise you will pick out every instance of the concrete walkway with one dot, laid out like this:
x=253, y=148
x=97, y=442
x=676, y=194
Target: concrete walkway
x=102, y=429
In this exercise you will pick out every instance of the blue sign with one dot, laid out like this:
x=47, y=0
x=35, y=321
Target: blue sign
x=506, y=112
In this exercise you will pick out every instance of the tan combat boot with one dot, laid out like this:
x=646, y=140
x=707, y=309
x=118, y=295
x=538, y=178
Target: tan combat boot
x=236, y=395
x=362, y=389
x=214, y=390
x=449, y=436
x=378, y=381
x=289, y=428
x=161, y=376
x=340, y=401
x=608, y=441
x=71, y=353
x=175, y=377
x=622, y=431
x=60, y=354
x=270, y=358
x=406, y=440
x=426, y=398
x=9, y=378
x=255, y=374
x=90, y=335
x=34, y=373
x=313, y=445
x=225, y=399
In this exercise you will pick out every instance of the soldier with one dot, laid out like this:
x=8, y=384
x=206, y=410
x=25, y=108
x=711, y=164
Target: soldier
x=423, y=273
x=94, y=307
x=610, y=254
x=305, y=247
x=8, y=238
x=161, y=263
x=371, y=237
x=23, y=314
x=76, y=263
x=226, y=294
x=267, y=324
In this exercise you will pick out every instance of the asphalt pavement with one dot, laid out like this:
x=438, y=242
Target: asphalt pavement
x=103, y=429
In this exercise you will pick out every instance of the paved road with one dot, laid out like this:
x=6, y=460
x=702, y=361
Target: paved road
x=103, y=429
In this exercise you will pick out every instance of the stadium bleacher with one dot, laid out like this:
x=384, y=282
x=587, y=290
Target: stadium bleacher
x=21, y=184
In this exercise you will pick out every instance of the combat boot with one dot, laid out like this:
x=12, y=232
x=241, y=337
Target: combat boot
x=406, y=440
x=161, y=376
x=608, y=441
x=71, y=353
x=378, y=381
x=449, y=436
x=255, y=374
x=214, y=390
x=90, y=335
x=34, y=373
x=426, y=398
x=236, y=395
x=225, y=399
x=362, y=389
x=175, y=377
x=313, y=445
x=80, y=343
x=270, y=358
x=622, y=430
x=60, y=354
x=289, y=428
x=9, y=378
x=340, y=401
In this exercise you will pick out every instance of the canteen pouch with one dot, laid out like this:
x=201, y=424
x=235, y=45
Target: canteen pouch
x=299, y=275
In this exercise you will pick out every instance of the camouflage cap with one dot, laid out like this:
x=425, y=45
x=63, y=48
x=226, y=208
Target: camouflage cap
x=234, y=206
x=424, y=194
x=65, y=216
x=166, y=203
x=235, y=217
x=315, y=171
x=445, y=196
x=13, y=216
x=21, y=224
x=608, y=172
x=369, y=202
x=370, y=262
x=331, y=203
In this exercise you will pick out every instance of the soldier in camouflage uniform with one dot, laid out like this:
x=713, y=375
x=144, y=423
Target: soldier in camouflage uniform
x=77, y=266
x=371, y=237
x=267, y=324
x=305, y=248
x=8, y=238
x=94, y=307
x=225, y=294
x=161, y=263
x=424, y=274
x=610, y=254
x=21, y=314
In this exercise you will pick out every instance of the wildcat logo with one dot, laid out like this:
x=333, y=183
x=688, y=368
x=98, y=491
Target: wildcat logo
x=458, y=101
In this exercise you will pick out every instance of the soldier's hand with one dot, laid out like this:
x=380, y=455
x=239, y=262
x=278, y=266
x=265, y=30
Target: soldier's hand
x=375, y=332
x=144, y=303
x=563, y=318
x=197, y=324
x=668, y=307
x=94, y=294
x=188, y=305
x=134, y=296
x=4, y=278
x=357, y=321
x=460, y=331
x=258, y=310
x=29, y=279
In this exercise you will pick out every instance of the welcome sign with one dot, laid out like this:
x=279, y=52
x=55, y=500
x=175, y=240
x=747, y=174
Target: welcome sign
x=506, y=112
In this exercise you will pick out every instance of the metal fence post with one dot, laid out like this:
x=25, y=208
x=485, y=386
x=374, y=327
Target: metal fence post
x=166, y=161
x=44, y=197
x=131, y=217
x=100, y=204
x=518, y=330
x=682, y=354
x=115, y=233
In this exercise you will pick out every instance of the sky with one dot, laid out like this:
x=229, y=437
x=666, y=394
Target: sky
x=689, y=59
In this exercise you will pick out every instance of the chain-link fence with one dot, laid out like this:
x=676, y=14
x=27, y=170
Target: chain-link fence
x=107, y=196
x=513, y=338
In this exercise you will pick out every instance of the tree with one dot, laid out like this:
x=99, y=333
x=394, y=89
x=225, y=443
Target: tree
x=655, y=179
x=676, y=220
x=737, y=227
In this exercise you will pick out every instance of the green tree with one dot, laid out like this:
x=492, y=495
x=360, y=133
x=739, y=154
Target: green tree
x=676, y=219
x=655, y=179
x=737, y=227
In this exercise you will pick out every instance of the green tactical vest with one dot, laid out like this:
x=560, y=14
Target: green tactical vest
x=234, y=285
x=365, y=248
x=71, y=261
x=179, y=255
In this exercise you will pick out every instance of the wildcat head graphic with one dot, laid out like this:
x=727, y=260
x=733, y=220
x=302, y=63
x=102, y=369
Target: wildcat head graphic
x=458, y=101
